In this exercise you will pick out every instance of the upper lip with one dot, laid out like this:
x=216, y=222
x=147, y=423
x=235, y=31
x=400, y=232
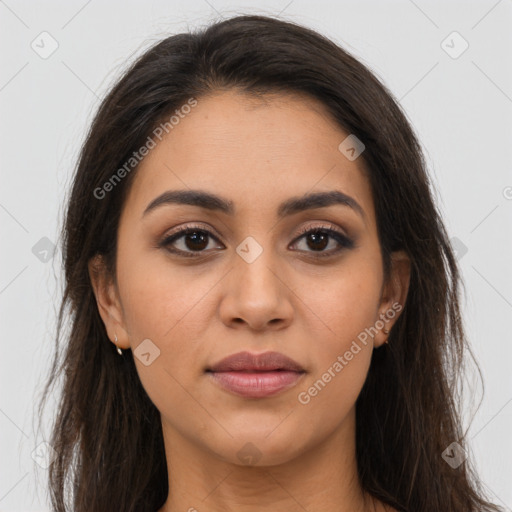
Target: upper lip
x=267, y=361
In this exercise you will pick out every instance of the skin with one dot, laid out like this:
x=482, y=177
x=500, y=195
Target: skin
x=256, y=153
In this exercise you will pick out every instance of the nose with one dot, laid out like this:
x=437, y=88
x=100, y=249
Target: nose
x=256, y=296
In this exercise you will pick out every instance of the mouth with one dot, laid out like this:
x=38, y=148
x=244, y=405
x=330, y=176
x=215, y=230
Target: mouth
x=256, y=375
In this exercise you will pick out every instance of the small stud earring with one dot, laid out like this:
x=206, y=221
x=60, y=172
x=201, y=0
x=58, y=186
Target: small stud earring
x=386, y=331
x=119, y=351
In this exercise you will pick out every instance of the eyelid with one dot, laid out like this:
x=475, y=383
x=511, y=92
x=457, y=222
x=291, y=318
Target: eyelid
x=301, y=231
x=343, y=240
x=194, y=225
x=320, y=226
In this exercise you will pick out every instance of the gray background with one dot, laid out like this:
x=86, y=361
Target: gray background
x=460, y=106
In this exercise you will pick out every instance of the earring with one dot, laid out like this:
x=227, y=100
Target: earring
x=386, y=331
x=119, y=351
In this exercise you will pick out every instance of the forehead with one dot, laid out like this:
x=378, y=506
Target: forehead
x=256, y=152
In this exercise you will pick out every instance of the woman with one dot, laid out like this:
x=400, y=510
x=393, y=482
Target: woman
x=263, y=298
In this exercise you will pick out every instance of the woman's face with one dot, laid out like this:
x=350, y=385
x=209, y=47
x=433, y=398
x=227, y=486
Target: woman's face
x=250, y=280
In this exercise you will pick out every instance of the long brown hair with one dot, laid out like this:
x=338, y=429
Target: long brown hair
x=107, y=432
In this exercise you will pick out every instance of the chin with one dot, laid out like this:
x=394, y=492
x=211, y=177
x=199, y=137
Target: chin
x=259, y=449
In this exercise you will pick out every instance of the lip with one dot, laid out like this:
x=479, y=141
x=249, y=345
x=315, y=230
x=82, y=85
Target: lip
x=256, y=375
x=246, y=361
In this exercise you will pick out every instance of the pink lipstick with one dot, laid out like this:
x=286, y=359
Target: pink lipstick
x=256, y=375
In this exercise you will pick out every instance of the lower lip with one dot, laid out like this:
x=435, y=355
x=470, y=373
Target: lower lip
x=256, y=384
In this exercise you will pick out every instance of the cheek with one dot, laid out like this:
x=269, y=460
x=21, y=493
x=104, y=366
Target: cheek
x=159, y=302
x=346, y=301
x=331, y=393
x=169, y=306
x=347, y=306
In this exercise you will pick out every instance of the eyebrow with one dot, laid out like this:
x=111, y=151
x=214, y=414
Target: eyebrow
x=209, y=201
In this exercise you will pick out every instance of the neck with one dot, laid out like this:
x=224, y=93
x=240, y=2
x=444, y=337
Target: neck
x=323, y=477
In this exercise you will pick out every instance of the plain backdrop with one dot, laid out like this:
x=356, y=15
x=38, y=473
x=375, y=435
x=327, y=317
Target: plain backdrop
x=59, y=58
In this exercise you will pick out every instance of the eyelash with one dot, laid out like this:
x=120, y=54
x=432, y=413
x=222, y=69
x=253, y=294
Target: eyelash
x=344, y=241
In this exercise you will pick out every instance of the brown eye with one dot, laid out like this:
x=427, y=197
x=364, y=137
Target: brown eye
x=188, y=241
x=196, y=240
x=193, y=241
x=319, y=240
x=316, y=240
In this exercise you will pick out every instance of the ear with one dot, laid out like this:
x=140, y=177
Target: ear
x=394, y=295
x=107, y=300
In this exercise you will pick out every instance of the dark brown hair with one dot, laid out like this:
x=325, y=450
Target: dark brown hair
x=107, y=433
